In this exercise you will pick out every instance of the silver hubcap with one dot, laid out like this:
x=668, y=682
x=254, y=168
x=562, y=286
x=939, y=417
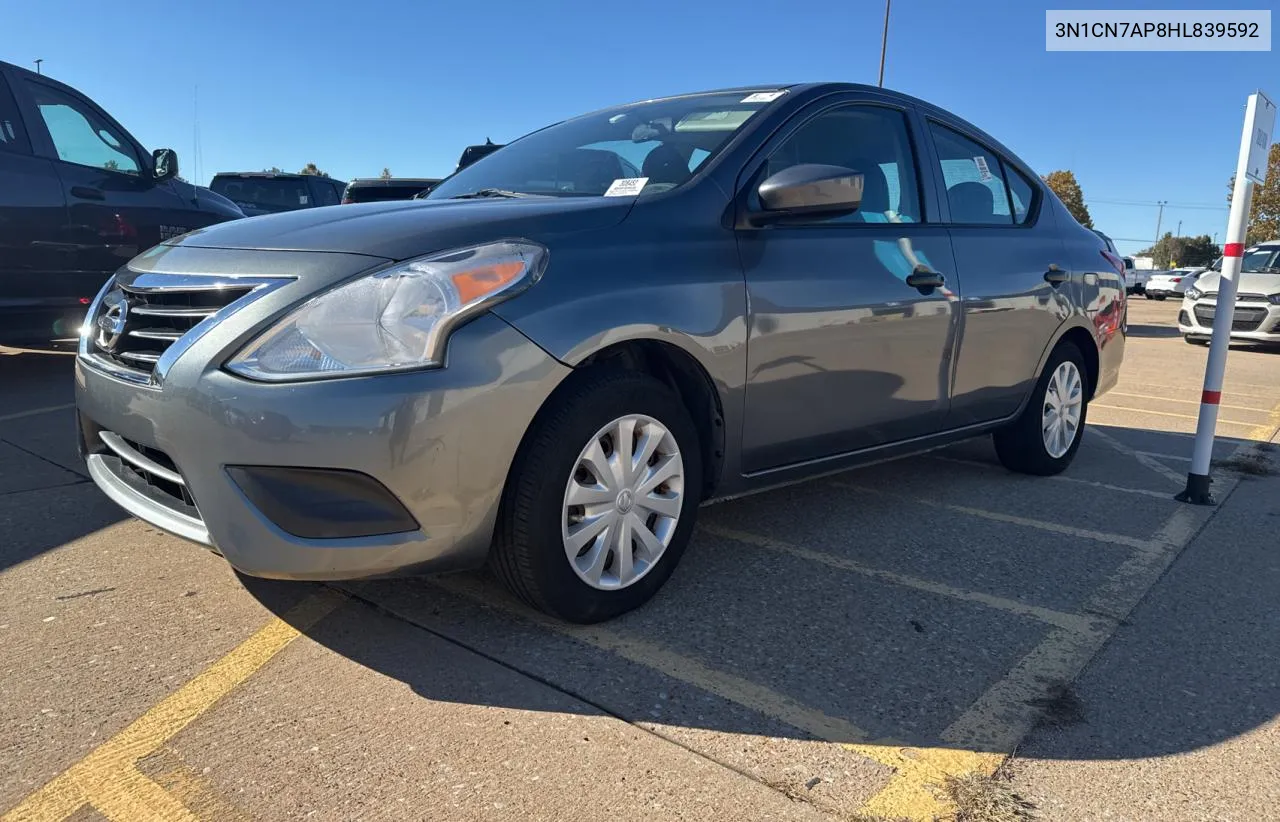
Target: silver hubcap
x=623, y=502
x=1063, y=401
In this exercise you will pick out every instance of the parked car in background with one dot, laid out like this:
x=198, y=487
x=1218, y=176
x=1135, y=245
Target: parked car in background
x=79, y=195
x=1174, y=283
x=472, y=153
x=1256, y=315
x=379, y=189
x=553, y=360
x=271, y=192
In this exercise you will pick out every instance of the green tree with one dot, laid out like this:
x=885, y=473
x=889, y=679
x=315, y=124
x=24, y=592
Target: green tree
x=386, y=174
x=1264, y=209
x=1182, y=252
x=1064, y=184
x=111, y=165
x=310, y=168
x=274, y=170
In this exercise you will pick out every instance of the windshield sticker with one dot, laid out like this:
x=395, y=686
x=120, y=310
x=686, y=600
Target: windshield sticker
x=626, y=187
x=763, y=96
x=984, y=173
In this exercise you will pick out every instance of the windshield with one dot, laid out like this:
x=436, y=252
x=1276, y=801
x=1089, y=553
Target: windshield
x=1261, y=259
x=265, y=193
x=664, y=141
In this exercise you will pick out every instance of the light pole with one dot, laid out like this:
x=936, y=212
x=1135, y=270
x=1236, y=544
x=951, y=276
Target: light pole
x=1179, y=231
x=884, y=42
x=38, y=62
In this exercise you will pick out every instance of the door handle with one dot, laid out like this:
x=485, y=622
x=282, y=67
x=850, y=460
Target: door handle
x=925, y=280
x=87, y=193
x=1056, y=276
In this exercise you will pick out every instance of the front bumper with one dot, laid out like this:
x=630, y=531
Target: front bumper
x=1253, y=320
x=440, y=442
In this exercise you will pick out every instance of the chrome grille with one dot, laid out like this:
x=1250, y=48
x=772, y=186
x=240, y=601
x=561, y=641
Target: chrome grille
x=134, y=327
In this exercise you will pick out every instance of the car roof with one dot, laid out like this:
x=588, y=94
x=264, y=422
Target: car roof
x=272, y=174
x=384, y=181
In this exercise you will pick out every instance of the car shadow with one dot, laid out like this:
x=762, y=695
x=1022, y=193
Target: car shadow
x=744, y=640
x=1152, y=331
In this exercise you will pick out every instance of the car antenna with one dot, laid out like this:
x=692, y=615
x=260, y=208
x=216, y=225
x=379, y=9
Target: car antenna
x=195, y=144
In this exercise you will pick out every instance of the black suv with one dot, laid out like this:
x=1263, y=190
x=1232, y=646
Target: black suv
x=378, y=189
x=270, y=192
x=79, y=196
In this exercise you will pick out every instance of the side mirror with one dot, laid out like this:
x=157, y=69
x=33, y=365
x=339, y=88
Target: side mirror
x=164, y=164
x=810, y=189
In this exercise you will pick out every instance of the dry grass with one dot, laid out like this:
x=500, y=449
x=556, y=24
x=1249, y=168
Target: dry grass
x=980, y=798
x=1254, y=463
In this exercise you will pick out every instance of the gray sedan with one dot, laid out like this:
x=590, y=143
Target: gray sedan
x=552, y=360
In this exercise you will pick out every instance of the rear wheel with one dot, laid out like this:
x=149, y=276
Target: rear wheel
x=601, y=501
x=1045, y=437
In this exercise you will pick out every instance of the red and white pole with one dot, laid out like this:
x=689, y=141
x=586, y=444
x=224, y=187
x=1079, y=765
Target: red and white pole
x=1254, y=141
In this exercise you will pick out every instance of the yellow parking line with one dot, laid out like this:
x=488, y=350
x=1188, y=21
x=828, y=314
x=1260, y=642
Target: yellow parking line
x=1053, y=527
x=1070, y=622
x=1000, y=717
x=1166, y=414
x=1185, y=402
x=107, y=778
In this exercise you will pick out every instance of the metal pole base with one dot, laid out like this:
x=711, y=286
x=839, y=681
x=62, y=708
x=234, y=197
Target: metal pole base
x=1197, y=490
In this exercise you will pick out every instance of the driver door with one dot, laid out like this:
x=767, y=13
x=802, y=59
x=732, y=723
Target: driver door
x=842, y=353
x=115, y=208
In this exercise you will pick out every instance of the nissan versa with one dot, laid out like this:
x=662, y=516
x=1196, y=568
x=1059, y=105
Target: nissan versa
x=550, y=361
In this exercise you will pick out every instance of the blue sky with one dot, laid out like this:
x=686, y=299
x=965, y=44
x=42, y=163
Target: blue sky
x=354, y=87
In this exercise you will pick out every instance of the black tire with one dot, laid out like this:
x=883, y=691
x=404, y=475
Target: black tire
x=528, y=551
x=1160, y=297
x=1020, y=446
x=1195, y=340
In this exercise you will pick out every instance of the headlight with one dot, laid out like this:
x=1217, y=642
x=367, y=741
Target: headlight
x=395, y=319
x=1194, y=293
x=1274, y=299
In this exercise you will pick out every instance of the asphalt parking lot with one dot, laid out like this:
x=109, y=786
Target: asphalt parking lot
x=870, y=645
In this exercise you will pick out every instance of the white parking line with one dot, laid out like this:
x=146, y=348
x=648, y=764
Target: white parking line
x=1154, y=464
x=34, y=411
x=1195, y=402
x=1145, y=492
x=1135, y=543
x=744, y=692
x=1061, y=619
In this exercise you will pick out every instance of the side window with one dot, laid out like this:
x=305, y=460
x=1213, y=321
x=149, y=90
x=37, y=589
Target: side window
x=327, y=195
x=79, y=133
x=870, y=139
x=975, y=188
x=1021, y=192
x=13, y=137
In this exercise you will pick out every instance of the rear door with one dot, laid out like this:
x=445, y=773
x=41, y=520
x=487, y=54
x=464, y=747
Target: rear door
x=33, y=217
x=1018, y=286
x=116, y=208
x=842, y=353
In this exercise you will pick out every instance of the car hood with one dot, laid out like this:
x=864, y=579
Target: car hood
x=1249, y=282
x=402, y=229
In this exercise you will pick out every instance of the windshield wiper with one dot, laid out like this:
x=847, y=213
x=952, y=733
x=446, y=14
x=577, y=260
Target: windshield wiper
x=492, y=192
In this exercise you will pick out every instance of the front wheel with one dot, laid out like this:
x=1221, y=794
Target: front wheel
x=601, y=500
x=1045, y=437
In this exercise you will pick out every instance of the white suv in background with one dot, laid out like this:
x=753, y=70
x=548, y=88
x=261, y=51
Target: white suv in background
x=1256, y=315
